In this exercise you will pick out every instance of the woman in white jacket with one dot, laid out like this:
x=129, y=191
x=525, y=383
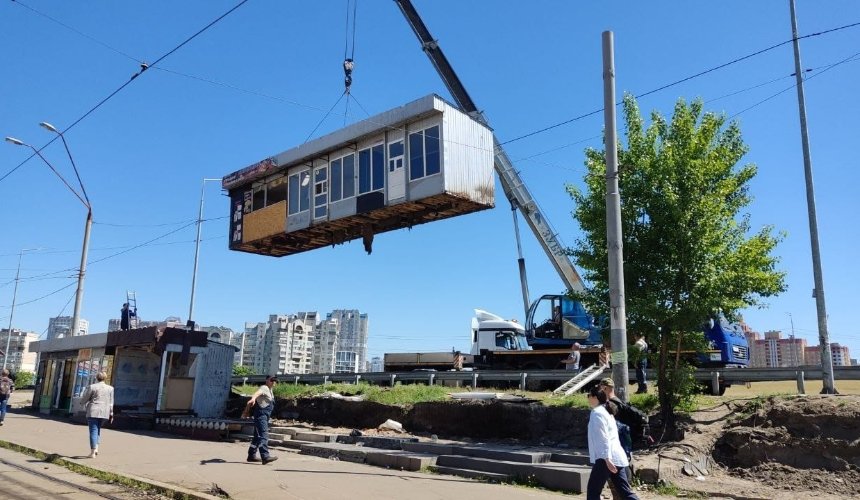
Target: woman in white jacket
x=604, y=449
x=98, y=399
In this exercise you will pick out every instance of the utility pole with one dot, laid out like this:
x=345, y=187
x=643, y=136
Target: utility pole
x=12, y=312
x=197, y=253
x=614, y=241
x=818, y=291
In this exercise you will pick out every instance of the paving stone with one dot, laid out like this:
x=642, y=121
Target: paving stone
x=399, y=459
x=316, y=437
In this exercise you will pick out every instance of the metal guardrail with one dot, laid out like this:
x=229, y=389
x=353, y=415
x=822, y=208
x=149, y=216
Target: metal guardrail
x=522, y=378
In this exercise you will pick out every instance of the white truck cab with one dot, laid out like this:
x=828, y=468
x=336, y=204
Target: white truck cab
x=493, y=333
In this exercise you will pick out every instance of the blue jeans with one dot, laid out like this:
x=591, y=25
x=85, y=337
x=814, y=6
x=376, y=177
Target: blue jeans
x=95, y=425
x=640, y=376
x=600, y=474
x=3, y=403
x=261, y=432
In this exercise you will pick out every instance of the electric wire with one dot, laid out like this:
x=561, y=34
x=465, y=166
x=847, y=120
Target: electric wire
x=324, y=117
x=143, y=68
x=346, y=43
x=682, y=80
x=42, y=297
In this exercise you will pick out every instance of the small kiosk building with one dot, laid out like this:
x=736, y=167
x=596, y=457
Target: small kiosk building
x=421, y=162
x=153, y=371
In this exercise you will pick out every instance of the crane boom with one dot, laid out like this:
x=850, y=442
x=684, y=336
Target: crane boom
x=512, y=184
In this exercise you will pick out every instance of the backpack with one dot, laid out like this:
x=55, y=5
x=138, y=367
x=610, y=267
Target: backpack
x=634, y=419
x=5, y=387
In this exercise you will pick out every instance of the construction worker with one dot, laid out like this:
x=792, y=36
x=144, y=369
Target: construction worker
x=126, y=315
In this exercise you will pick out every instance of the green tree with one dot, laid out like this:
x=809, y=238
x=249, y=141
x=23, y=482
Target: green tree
x=689, y=251
x=242, y=371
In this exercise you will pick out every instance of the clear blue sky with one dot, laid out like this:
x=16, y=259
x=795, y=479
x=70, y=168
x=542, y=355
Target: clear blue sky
x=276, y=68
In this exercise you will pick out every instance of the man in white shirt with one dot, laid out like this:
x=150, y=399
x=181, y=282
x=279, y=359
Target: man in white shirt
x=641, y=364
x=572, y=361
x=261, y=404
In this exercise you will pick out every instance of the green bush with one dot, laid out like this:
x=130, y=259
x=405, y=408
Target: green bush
x=24, y=379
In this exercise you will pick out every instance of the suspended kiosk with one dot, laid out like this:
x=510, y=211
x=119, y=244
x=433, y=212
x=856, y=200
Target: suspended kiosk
x=420, y=162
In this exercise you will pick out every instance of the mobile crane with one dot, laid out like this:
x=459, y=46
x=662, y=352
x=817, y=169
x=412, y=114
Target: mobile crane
x=567, y=321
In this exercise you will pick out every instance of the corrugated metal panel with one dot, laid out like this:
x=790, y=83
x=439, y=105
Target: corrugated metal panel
x=468, y=157
x=212, y=381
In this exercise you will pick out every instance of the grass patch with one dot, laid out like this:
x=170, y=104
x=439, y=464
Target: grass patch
x=108, y=477
x=408, y=394
x=398, y=395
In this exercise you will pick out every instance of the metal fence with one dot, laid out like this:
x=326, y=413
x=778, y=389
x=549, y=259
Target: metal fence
x=522, y=379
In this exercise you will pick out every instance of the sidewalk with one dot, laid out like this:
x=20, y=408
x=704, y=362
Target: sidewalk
x=199, y=465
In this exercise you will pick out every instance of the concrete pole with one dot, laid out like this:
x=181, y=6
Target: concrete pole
x=12, y=312
x=818, y=291
x=197, y=250
x=614, y=241
x=79, y=294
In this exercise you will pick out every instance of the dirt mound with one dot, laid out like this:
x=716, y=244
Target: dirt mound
x=800, y=443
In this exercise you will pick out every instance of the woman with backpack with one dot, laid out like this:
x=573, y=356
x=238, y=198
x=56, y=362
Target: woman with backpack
x=604, y=449
x=7, y=385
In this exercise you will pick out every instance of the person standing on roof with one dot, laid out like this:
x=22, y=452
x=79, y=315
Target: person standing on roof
x=126, y=315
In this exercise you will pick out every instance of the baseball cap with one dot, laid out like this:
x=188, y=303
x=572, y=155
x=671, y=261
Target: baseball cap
x=607, y=382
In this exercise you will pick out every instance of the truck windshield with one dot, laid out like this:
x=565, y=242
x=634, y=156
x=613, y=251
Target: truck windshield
x=511, y=340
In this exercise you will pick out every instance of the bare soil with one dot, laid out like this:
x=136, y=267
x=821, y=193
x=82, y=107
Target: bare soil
x=778, y=446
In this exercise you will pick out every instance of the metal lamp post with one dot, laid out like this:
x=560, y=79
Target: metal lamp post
x=197, y=251
x=79, y=294
x=89, y=222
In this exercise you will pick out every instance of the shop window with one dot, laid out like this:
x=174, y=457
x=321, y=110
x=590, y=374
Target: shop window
x=299, y=192
x=342, y=178
x=424, y=153
x=371, y=169
x=276, y=190
x=259, y=191
x=336, y=180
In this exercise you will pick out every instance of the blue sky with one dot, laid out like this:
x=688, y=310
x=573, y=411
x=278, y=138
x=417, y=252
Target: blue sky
x=259, y=81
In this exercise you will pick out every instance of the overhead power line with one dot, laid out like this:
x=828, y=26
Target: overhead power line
x=143, y=67
x=682, y=80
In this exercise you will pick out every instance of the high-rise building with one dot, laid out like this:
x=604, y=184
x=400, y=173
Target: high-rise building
x=19, y=357
x=61, y=326
x=779, y=352
x=289, y=343
x=351, y=351
x=325, y=346
x=838, y=353
x=248, y=351
x=376, y=364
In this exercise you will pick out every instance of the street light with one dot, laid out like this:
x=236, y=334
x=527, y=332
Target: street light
x=86, y=202
x=197, y=252
x=79, y=294
x=14, y=297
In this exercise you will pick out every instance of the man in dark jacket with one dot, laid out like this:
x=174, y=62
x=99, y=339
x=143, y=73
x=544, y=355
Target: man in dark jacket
x=126, y=315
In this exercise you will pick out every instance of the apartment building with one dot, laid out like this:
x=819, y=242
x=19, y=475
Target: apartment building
x=61, y=326
x=19, y=357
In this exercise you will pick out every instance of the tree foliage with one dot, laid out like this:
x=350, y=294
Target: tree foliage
x=689, y=250
x=242, y=371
